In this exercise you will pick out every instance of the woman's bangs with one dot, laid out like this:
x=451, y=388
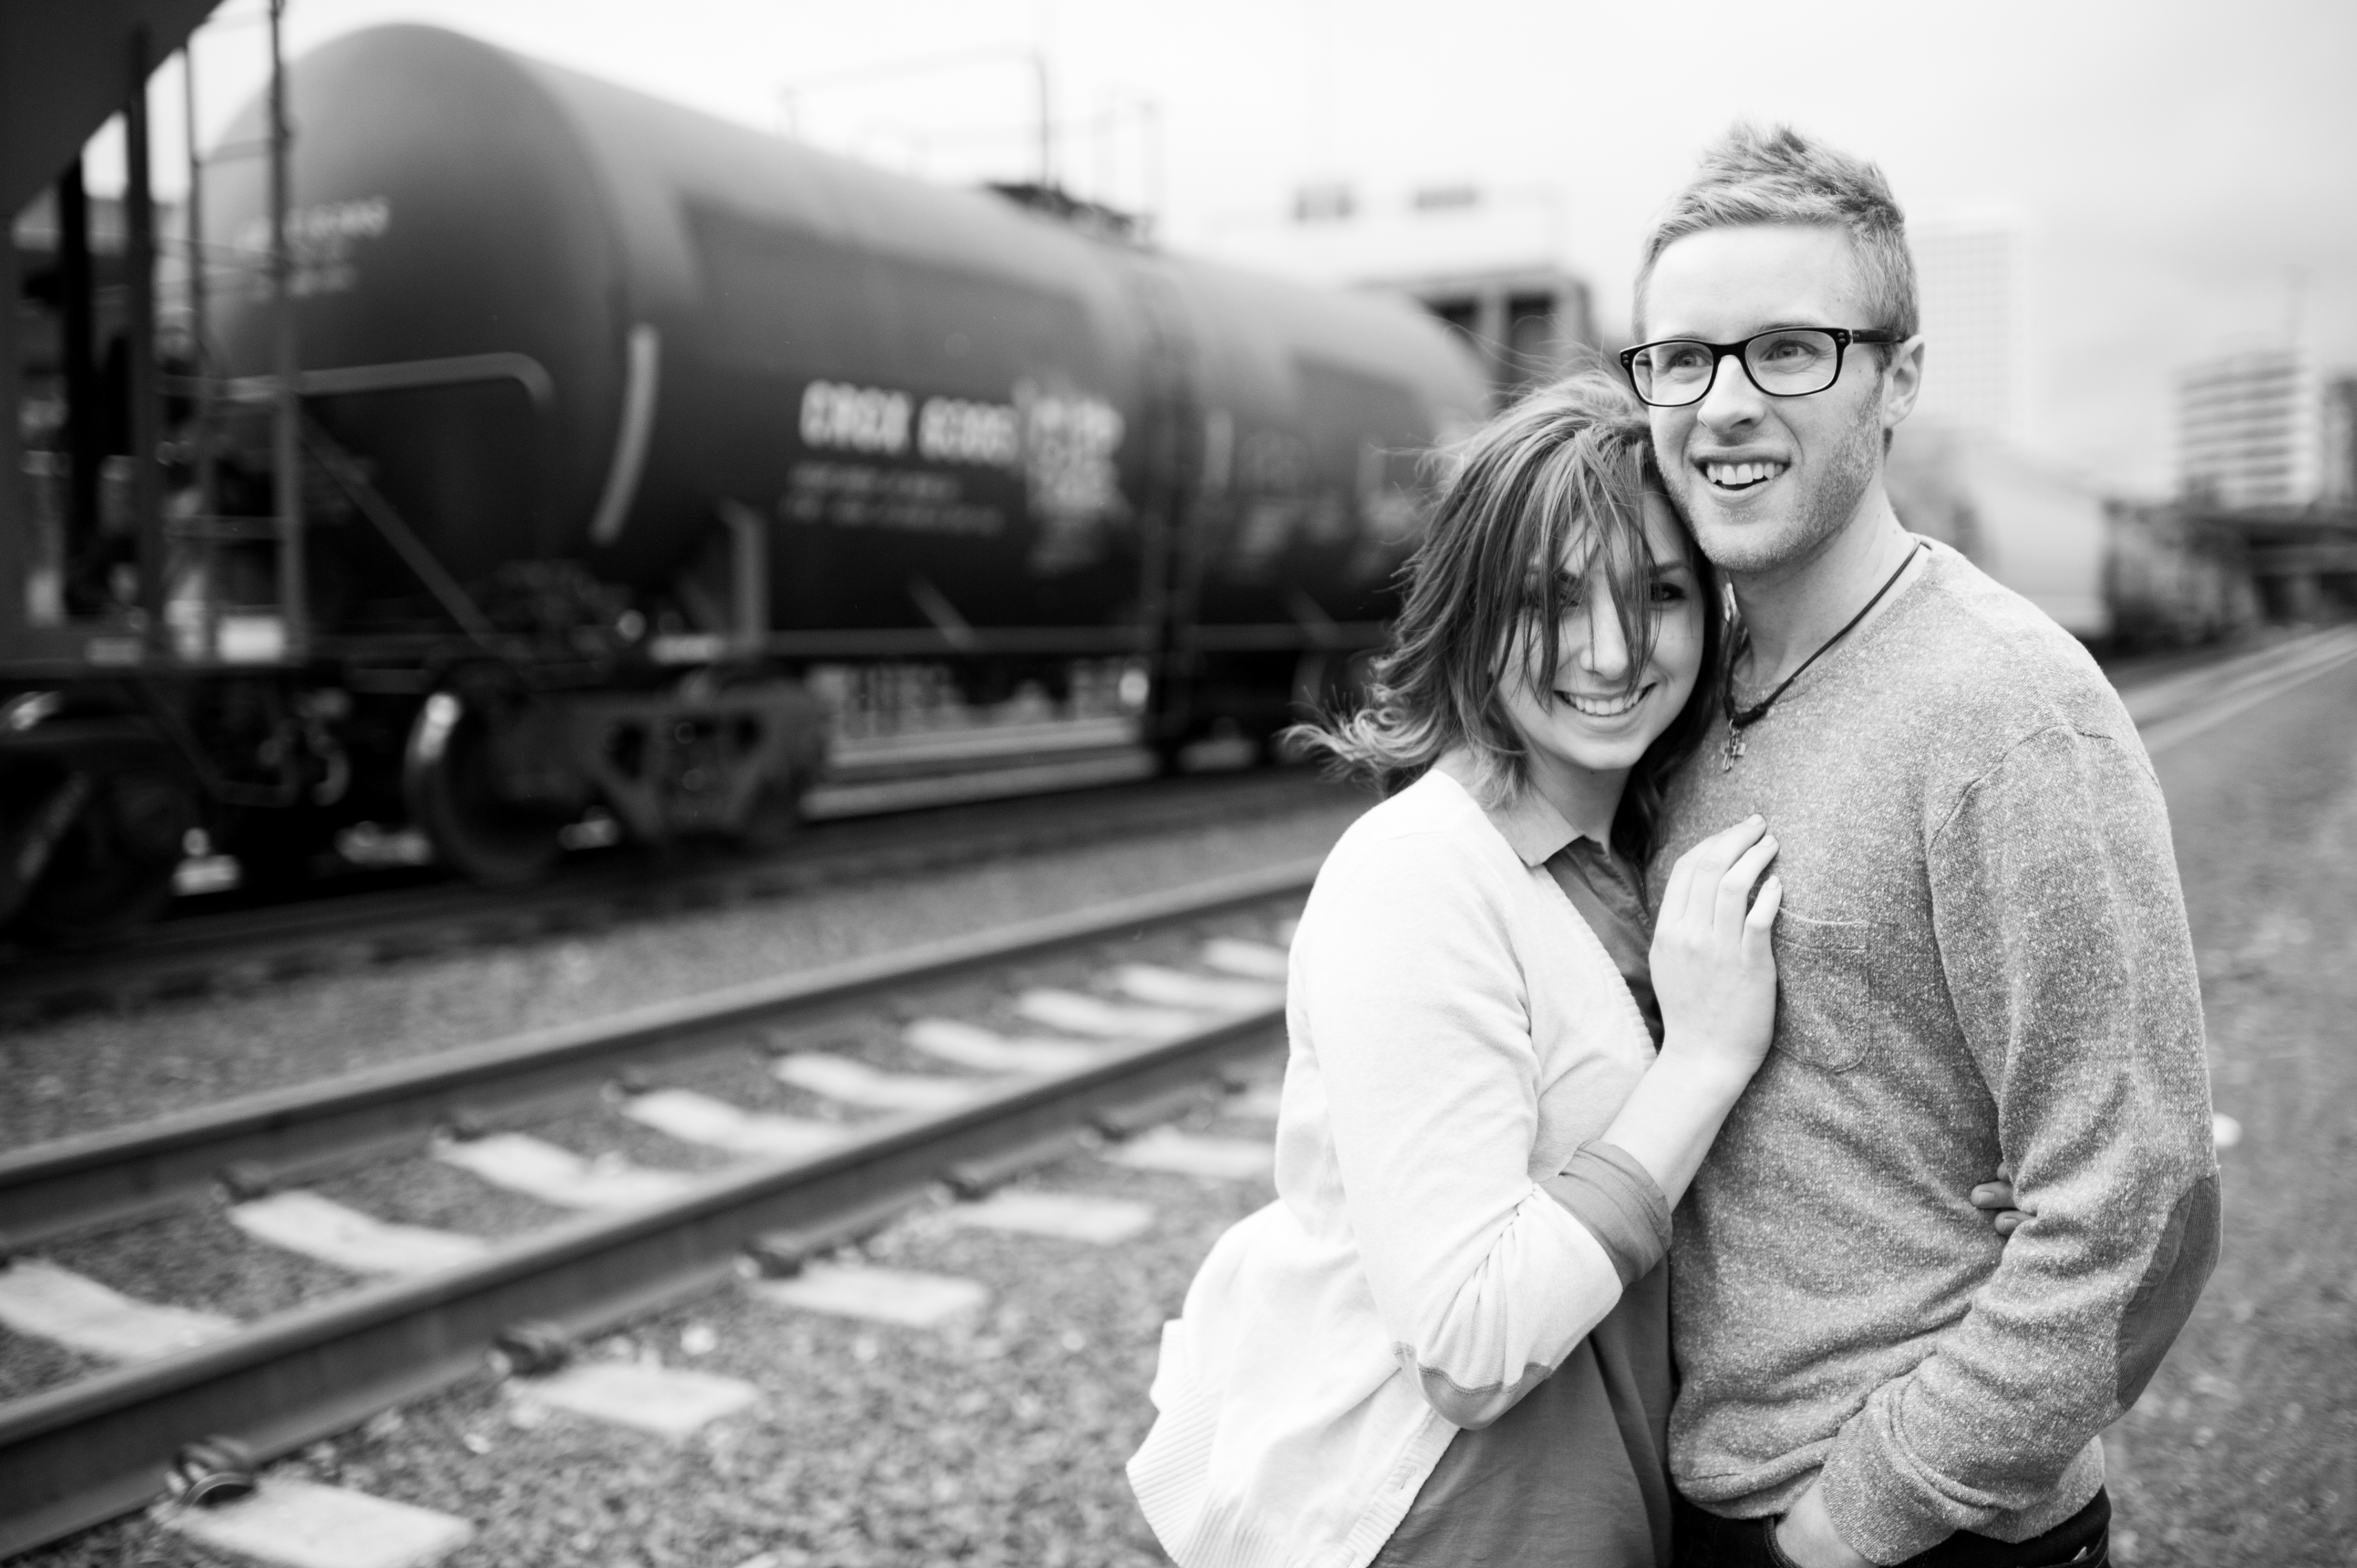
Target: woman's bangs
x=1588, y=499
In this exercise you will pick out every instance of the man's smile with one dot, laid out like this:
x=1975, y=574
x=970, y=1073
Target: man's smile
x=1739, y=476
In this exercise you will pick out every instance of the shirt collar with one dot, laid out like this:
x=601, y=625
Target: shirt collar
x=1533, y=828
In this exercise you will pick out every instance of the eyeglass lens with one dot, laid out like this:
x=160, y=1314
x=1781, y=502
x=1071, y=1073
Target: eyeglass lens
x=1790, y=363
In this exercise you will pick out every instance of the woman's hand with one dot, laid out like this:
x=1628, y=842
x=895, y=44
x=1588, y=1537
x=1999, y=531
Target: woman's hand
x=1714, y=968
x=1715, y=976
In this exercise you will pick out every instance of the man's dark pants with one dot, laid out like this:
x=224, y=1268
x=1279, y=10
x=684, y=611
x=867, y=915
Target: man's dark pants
x=2082, y=1540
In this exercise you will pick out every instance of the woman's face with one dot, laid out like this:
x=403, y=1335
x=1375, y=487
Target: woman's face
x=1582, y=714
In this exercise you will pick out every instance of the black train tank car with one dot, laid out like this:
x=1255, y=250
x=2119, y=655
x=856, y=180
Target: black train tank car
x=693, y=418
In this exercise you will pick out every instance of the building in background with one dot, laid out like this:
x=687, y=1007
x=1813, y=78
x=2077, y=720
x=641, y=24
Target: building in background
x=2250, y=430
x=2120, y=575
x=1970, y=280
x=1484, y=261
x=2337, y=477
x=1529, y=325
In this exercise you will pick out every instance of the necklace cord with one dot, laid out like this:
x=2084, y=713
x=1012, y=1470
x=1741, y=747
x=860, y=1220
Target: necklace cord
x=1759, y=710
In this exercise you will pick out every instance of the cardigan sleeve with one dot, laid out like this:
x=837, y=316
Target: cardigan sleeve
x=1414, y=1004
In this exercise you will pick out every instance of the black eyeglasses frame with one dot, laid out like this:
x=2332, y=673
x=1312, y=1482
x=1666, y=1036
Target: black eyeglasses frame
x=1842, y=338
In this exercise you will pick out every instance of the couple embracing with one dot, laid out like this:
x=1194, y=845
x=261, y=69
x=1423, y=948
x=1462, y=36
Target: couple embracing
x=1840, y=923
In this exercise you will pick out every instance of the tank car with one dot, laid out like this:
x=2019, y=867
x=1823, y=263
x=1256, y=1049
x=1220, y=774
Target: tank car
x=644, y=457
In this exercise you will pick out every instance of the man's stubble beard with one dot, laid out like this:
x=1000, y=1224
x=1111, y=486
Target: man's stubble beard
x=1813, y=518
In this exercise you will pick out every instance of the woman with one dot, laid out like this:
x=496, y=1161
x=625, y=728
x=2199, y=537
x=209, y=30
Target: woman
x=1445, y=1342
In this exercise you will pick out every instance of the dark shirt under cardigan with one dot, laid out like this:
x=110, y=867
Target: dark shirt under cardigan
x=1581, y=1462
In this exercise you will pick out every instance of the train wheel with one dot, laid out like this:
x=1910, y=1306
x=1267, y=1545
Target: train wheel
x=449, y=780
x=110, y=869
x=776, y=819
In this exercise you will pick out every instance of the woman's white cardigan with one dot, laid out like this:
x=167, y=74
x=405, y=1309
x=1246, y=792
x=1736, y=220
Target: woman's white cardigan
x=1457, y=1035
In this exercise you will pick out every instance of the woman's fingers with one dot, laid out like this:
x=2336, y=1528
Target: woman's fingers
x=1736, y=884
x=2008, y=1222
x=1759, y=925
x=1704, y=864
x=1674, y=895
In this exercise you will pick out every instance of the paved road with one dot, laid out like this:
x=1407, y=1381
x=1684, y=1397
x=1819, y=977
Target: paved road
x=2243, y=1451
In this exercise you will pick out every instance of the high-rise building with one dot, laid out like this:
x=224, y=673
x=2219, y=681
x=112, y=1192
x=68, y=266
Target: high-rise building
x=2337, y=483
x=1970, y=282
x=2249, y=429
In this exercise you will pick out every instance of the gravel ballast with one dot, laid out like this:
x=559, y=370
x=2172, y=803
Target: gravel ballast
x=995, y=1439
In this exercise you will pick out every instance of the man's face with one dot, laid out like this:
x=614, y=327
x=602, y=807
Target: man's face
x=1767, y=482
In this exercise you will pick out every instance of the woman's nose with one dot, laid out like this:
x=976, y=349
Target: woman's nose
x=1606, y=650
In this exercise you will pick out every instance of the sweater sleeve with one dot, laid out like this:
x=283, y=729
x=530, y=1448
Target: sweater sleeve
x=1414, y=1005
x=2062, y=937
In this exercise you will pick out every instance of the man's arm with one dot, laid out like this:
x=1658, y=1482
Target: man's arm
x=2062, y=936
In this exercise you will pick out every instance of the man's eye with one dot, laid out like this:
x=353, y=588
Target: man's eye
x=1688, y=357
x=1794, y=350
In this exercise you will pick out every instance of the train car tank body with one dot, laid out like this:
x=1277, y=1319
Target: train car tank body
x=947, y=409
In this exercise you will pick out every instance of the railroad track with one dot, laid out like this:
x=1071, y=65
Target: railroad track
x=2178, y=707
x=1148, y=1041
x=199, y=953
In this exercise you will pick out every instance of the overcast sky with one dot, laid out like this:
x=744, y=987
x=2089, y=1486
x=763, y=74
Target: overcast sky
x=2183, y=172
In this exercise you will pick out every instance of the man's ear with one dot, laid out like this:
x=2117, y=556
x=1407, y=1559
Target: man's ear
x=1902, y=380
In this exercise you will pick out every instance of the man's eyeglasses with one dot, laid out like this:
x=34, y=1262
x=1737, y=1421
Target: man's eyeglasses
x=1790, y=361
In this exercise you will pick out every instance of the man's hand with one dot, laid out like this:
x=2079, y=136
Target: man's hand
x=1806, y=1535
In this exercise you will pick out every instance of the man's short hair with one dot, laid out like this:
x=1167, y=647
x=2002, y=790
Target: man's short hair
x=1779, y=176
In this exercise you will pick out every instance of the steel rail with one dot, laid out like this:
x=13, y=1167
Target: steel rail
x=279, y=1135
x=2246, y=686
x=79, y=1454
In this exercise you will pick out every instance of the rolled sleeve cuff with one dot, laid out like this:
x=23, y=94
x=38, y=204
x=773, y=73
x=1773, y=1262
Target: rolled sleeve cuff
x=1885, y=1515
x=1620, y=1203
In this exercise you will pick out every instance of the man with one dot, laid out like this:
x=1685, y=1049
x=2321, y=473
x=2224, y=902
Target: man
x=1982, y=955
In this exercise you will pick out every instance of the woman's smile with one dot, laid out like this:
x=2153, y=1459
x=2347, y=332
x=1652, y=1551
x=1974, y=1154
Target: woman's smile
x=1606, y=705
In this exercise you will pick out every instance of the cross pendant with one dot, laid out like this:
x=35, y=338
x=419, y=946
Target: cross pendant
x=1733, y=750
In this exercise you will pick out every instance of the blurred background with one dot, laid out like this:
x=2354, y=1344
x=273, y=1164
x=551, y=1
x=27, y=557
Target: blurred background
x=2106, y=197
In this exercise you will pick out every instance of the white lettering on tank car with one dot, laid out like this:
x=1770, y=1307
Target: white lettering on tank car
x=952, y=430
x=1070, y=444
x=319, y=239
x=858, y=419
x=856, y=494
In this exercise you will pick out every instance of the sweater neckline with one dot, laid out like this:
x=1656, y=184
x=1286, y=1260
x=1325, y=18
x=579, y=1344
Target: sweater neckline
x=1846, y=652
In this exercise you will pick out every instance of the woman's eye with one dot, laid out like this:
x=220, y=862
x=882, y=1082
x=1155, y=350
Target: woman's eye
x=1669, y=593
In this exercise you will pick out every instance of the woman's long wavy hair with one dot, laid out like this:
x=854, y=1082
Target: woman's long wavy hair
x=1483, y=586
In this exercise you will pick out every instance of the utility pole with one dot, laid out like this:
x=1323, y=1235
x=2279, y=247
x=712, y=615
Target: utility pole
x=139, y=332
x=199, y=316
x=1047, y=122
x=287, y=446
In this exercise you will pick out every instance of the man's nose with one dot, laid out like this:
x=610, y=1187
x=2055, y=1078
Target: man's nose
x=1733, y=403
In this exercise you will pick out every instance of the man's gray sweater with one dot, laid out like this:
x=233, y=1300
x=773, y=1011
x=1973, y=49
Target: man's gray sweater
x=1982, y=956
